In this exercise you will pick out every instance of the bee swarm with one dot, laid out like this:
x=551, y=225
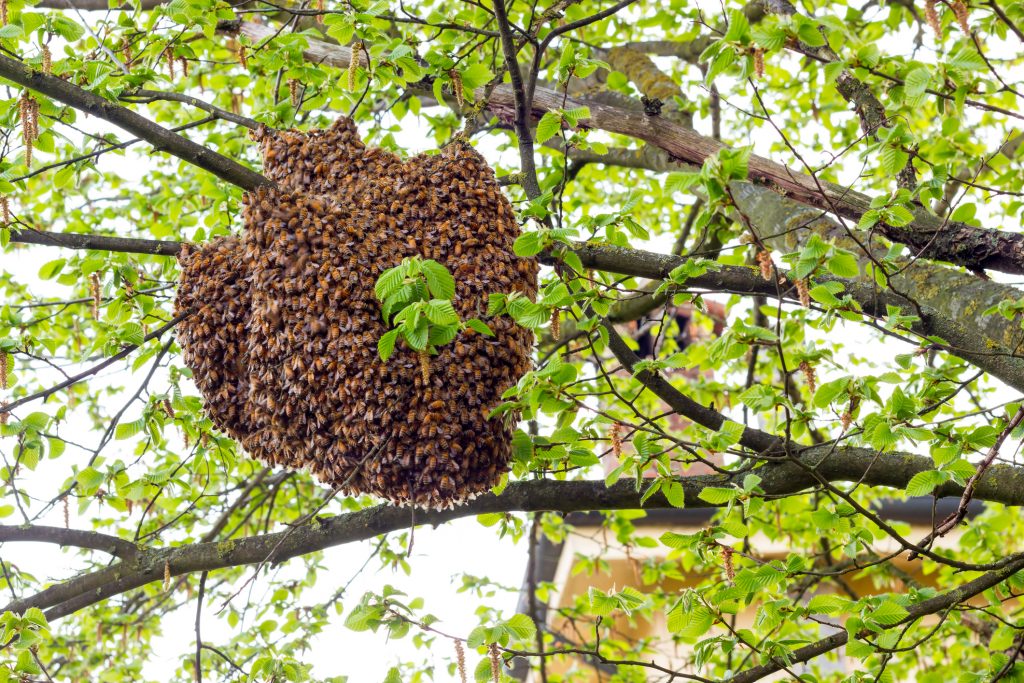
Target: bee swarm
x=283, y=341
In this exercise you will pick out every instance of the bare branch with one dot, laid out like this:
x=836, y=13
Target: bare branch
x=966, y=343
x=932, y=605
x=92, y=540
x=930, y=236
x=1001, y=483
x=161, y=138
x=70, y=240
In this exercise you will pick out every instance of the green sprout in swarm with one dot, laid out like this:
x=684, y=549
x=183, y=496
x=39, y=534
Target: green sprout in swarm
x=416, y=302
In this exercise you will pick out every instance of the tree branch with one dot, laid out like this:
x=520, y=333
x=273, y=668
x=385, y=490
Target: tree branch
x=85, y=374
x=874, y=302
x=161, y=138
x=1001, y=483
x=966, y=343
x=930, y=236
x=69, y=240
x=92, y=540
x=932, y=605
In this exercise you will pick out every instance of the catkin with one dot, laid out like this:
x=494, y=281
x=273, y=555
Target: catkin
x=293, y=92
x=764, y=260
x=353, y=64
x=5, y=210
x=3, y=12
x=803, y=293
x=94, y=288
x=759, y=62
x=28, y=109
x=3, y=369
x=809, y=375
x=962, y=12
x=932, y=17
x=320, y=9
x=556, y=325
x=47, y=60
x=615, y=435
x=727, y=562
x=495, y=662
x=460, y=97
x=460, y=661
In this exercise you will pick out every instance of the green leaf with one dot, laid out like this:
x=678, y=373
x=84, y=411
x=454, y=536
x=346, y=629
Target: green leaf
x=127, y=430
x=479, y=326
x=843, y=264
x=828, y=603
x=810, y=34
x=916, y=82
x=548, y=126
x=521, y=626
x=719, y=64
x=680, y=181
x=476, y=76
x=739, y=27
x=386, y=344
x=674, y=494
x=717, y=495
x=829, y=391
x=416, y=335
x=51, y=269
x=390, y=282
x=439, y=280
x=888, y=613
x=63, y=177
x=923, y=483
x=441, y=312
x=529, y=244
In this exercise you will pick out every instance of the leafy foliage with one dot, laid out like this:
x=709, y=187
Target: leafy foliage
x=416, y=298
x=781, y=214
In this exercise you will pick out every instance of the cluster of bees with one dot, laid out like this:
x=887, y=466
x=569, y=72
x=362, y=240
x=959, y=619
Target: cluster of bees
x=283, y=339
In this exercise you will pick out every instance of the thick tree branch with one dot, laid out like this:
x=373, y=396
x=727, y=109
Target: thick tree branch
x=784, y=224
x=158, y=136
x=317, y=51
x=932, y=605
x=70, y=240
x=928, y=235
x=1001, y=483
x=963, y=340
x=77, y=538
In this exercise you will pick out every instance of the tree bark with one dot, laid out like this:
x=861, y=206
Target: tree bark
x=161, y=138
x=1001, y=483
